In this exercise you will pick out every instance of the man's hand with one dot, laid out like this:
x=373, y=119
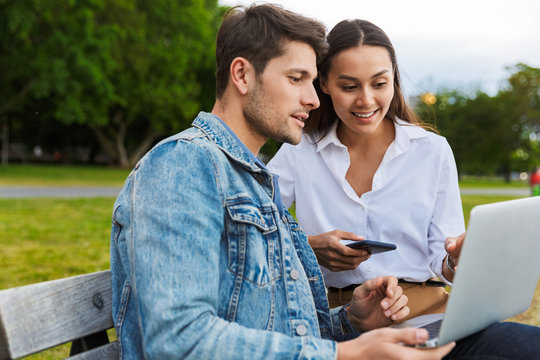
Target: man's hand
x=388, y=344
x=376, y=303
x=335, y=256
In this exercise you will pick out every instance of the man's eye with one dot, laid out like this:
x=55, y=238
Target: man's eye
x=294, y=79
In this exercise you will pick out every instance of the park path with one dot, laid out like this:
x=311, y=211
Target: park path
x=57, y=192
x=82, y=191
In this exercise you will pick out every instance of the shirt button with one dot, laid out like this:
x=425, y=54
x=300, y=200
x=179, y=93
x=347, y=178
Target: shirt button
x=368, y=268
x=294, y=275
x=301, y=330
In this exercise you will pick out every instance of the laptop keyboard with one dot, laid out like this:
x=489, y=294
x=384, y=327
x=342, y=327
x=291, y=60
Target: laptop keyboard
x=433, y=328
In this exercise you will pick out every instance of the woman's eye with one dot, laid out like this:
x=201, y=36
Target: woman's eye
x=348, y=87
x=380, y=84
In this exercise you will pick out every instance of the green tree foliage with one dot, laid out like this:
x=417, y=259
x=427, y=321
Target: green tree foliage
x=131, y=70
x=490, y=134
x=522, y=98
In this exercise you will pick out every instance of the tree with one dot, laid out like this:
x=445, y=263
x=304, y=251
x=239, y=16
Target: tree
x=129, y=70
x=478, y=128
x=522, y=99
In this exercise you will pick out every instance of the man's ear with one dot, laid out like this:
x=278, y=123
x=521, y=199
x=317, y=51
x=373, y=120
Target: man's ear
x=241, y=72
x=324, y=87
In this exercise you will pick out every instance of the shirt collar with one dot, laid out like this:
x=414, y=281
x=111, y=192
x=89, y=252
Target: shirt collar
x=405, y=132
x=329, y=138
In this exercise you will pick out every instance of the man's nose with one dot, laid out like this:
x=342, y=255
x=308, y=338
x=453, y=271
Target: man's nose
x=310, y=99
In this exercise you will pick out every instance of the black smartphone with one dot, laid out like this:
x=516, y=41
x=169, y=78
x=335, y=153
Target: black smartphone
x=372, y=246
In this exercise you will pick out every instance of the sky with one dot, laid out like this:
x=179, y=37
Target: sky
x=458, y=44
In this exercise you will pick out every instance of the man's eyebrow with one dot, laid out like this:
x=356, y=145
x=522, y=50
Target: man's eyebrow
x=301, y=71
x=352, y=78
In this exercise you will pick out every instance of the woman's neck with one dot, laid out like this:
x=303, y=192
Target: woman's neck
x=381, y=137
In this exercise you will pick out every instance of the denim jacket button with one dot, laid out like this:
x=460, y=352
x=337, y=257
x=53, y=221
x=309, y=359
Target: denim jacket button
x=301, y=330
x=294, y=275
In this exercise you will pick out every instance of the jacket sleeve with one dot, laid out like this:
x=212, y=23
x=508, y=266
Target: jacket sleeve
x=174, y=250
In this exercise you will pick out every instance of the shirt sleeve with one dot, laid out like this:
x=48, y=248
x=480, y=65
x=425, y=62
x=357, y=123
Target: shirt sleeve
x=447, y=219
x=282, y=165
x=176, y=232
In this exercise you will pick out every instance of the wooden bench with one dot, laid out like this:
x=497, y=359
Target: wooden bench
x=43, y=315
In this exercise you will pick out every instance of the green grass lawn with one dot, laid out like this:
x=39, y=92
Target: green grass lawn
x=57, y=175
x=44, y=239
x=467, y=181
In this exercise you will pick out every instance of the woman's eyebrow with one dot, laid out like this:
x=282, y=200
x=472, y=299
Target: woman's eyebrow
x=352, y=78
x=380, y=73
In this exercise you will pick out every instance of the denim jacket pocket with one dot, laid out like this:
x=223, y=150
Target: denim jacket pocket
x=253, y=228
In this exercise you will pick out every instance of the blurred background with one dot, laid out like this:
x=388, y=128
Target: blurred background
x=100, y=82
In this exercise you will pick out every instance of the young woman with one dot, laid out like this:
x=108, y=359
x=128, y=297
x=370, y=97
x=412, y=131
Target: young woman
x=369, y=169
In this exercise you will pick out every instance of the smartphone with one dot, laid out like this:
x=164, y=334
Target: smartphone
x=372, y=246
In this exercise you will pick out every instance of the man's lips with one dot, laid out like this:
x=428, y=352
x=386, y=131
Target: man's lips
x=300, y=118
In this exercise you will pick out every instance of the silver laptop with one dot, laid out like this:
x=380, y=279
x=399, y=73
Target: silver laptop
x=498, y=268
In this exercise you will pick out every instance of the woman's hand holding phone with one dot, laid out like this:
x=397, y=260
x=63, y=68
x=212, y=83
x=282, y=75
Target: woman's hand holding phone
x=333, y=254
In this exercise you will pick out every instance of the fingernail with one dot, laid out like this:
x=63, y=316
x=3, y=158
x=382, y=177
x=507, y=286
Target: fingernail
x=394, y=317
x=385, y=305
x=387, y=313
x=421, y=335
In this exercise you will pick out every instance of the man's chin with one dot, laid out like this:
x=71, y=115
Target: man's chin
x=293, y=138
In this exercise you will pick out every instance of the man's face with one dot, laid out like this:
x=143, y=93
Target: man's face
x=280, y=101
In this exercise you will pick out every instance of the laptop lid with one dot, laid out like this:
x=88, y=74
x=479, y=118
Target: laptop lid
x=498, y=267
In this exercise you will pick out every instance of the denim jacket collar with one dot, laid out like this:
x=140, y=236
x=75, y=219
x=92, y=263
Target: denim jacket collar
x=216, y=130
x=220, y=133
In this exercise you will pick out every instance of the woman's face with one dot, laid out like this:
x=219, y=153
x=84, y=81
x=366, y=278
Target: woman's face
x=360, y=83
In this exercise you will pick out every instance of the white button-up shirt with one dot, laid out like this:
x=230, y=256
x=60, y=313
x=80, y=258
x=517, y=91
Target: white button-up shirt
x=414, y=201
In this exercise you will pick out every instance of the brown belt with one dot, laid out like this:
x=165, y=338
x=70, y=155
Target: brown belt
x=435, y=283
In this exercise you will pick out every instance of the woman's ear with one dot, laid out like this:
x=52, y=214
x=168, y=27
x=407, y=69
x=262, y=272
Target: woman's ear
x=322, y=84
x=239, y=70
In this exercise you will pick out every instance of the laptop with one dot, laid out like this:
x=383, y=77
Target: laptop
x=497, y=273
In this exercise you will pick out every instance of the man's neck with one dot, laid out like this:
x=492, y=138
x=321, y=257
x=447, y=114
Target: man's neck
x=234, y=118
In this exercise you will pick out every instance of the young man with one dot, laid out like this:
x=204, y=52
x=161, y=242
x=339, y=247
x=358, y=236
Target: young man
x=206, y=262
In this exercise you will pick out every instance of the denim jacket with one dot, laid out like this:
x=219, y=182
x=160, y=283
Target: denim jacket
x=204, y=267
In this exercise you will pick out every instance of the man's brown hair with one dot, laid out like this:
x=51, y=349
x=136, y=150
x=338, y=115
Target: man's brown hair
x=258, y=33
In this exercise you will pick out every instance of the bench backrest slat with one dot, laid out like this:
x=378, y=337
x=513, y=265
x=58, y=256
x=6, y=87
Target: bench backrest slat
x=105, y=352
x=39, y=316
